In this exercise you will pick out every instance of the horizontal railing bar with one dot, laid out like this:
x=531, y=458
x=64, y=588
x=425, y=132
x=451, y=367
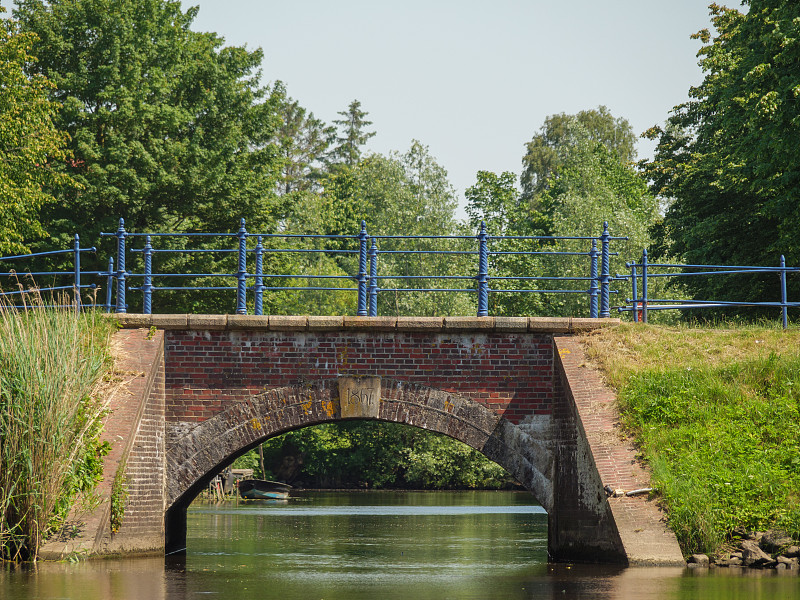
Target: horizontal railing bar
x=729, y=267
x=81, y=305
x=712, y=302
x=549, y=237
x=39, y=290
x=423, y=237
x=186, y=234
x=248, y=275
x=462, y=252
x=234, y=251
x=48, y=253
x=715, y=305
x=638, y=275
x=465, y=277
x=315, y=236
x=532, y=291
x=309, y=289
x=547, y=253
x=473, y=290
x=193, y=288
x=543, y=278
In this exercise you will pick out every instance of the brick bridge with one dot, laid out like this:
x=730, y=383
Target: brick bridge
x=197, y=391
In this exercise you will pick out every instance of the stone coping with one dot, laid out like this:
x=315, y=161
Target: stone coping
x=349, y=323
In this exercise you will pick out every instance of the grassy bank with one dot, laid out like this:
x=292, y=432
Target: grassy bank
x=51, y=362
x=716, y=413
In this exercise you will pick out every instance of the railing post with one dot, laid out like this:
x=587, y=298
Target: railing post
x=147, y=286
x=593, y=287
x=259, y=287
x=784, y=314
x=635, y=292
x=109, y=282
x=644, y=286
x=483, y=272
x=121, y=275
x=76, y=261
x=362, y=271
x=605, y=275
x=241, y=288
x=373, y=279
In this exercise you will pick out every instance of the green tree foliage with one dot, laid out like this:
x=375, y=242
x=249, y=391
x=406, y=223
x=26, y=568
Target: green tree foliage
x=405, y=194
x=577, y=173
x=30, y=143
x=495, y=200
x=726, y=161
x=352, y=134
x=169, y=127
x=303, y=141
x=374, y=454
x=542, y=157
x=591, y=186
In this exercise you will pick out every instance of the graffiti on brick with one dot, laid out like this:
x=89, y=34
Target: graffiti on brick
x=359, y=397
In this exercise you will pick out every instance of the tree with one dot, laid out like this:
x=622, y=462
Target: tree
x=593, y=185
x=541, y=156
x=406, y=194
x=30, y=143
x=169, y=128
x=352, y=135
x=495, y=200
x=303, y=141
x=727, y=161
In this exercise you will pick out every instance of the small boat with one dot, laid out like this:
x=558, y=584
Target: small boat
x=259, y=489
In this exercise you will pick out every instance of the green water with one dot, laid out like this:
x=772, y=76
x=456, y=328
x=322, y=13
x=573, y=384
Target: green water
x=379, y=545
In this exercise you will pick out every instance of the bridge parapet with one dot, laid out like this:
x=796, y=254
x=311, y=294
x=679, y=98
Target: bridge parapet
x=553, y=325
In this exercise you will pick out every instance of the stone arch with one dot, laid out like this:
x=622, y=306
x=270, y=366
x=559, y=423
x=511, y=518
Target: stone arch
x=196, y=455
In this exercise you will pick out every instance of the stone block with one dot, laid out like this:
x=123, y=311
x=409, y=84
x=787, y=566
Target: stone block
x=370, y=323
x=359, y=397
x=325, y=323
x=511, y=324
x=249, y=322
x=549, y=324
x=584, y=324
x=132, y=320
x=420, y=323
x=287, y=323
x=207, y=322
x=468, y=323
x=170, y=321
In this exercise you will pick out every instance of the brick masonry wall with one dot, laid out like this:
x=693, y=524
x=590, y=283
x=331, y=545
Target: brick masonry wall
x=604, y=453
x=145, y=478
x=511, y=374
x=142, y=527
x=135, y=429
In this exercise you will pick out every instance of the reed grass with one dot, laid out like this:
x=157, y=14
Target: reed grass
x=51, y=362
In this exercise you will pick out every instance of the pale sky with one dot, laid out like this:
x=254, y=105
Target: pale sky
x=472, y=80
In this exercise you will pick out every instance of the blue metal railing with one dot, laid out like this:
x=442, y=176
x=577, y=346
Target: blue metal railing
x=640, y=305
x=20, y=271
x=366, y=277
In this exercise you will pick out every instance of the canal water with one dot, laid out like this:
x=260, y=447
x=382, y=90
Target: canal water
x=376, y=545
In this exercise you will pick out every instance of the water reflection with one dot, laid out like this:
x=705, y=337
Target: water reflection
x=387, y=546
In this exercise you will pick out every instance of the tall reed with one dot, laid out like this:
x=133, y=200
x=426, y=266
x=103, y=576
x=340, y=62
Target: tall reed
x=51, y=362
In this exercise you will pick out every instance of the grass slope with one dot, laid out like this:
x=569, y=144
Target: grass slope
x=716, y=413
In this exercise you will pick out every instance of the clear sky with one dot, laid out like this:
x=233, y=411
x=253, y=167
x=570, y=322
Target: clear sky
x=471, y=80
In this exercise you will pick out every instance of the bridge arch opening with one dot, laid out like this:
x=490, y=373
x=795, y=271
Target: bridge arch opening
x=195, y=456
